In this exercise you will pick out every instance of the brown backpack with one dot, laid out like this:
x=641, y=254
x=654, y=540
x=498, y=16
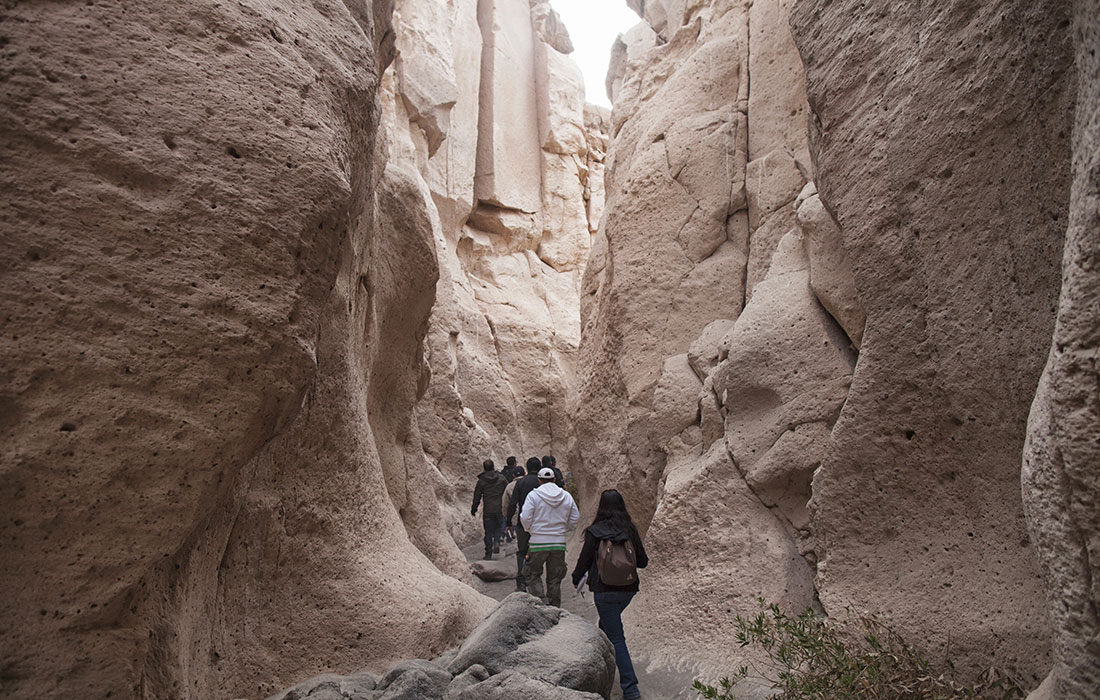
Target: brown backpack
x=616, y=563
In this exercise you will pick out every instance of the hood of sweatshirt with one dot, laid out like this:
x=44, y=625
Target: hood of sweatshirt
x=492, y=477
x=609, y=530
x=551, y=493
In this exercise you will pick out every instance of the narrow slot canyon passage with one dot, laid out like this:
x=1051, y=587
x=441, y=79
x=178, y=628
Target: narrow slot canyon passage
x=814, y=288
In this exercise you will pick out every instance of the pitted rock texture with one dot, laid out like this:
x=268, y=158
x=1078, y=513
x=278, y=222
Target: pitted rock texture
x=1061, y=485
x=923, y=117
x=202, y=428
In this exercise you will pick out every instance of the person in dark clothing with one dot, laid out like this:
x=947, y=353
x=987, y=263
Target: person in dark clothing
x=612, y=523
x=490, y=486
x=515, y=505
x=511, y=469
x=548, y=461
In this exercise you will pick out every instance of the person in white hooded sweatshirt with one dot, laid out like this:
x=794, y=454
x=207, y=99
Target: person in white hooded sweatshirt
x=549, y=513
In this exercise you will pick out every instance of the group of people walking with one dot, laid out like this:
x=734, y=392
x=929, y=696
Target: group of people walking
x=608, y=561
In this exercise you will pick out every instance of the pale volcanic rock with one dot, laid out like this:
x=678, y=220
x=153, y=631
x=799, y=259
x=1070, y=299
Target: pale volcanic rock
x=772, y=182
x=782, y=383
x=675, y=399
x=777, y=100
x=924, y=119
x=192, y=429
x=831, y=275
x=1061, y=486
x=508, y=146
x=706, y=506
x=505, y=325
x=549, y=28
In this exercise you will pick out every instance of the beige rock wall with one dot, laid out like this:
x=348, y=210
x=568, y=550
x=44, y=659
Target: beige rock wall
x=854, y=378
x=1061, y=485
x=711, y=374
x=517, y=189
x=215, y=302
x=923, y=118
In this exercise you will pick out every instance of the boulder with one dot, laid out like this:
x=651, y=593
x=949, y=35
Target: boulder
x=540, y=641
x=511, y=685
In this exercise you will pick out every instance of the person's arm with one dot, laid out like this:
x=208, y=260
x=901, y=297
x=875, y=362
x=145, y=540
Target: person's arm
x=639, y=552
x=584, y=561
x=477, y=498
x=528, y=511
x=574, y=516
x=513, y=502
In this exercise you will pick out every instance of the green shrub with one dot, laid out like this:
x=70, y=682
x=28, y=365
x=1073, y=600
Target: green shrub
x=812, y=658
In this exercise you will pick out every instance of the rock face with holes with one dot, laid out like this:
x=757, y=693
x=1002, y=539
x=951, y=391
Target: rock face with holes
x=514, y=171
x=839, y=415
x=215, y=304
x=711, y=374
x=1061, y=485
x=918, y=500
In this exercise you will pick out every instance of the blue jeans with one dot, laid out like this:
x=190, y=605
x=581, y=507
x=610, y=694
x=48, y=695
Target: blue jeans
x=610, y=606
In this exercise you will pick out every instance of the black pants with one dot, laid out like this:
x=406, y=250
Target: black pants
x=492, y=523
x=523, y=541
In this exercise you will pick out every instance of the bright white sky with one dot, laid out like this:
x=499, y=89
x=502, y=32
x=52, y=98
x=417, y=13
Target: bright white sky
x=593, y=26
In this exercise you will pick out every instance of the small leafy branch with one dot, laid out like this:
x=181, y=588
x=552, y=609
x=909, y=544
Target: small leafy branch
x=861, y=658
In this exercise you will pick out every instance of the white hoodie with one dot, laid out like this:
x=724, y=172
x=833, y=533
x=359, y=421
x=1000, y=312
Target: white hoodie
x=548, y=513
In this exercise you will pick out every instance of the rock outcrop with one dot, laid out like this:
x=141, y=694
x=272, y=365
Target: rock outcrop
x=215, y=303
x=512, y=159
x=1061, y=485
x=917, y=136
x=712, y=374
x=818, y=392
x=523, y=649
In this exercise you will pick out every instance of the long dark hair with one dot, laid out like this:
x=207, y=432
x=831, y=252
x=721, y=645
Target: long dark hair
x=612, y=507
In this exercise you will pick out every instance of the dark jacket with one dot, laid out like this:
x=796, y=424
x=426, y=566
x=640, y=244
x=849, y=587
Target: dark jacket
x=519, y=494
x=558, y=478
x=605, y=530
x=490, y=485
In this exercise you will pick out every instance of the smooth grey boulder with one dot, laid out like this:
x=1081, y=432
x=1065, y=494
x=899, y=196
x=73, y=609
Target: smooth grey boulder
x=414, y=680
x=510, y=685
x=468, y=678
x=541, y=642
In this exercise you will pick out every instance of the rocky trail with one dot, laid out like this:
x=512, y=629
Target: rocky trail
x=656, y=684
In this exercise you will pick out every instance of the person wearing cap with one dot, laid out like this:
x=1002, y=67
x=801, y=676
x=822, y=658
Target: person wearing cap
x=523, y=487
x=548, y=514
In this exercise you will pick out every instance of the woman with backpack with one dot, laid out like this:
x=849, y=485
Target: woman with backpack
x=611, y=557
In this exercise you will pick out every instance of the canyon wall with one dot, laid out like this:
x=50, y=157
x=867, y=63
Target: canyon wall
x=216, y=297
x=490, y=111
x=820, y=398
x=1061, y=483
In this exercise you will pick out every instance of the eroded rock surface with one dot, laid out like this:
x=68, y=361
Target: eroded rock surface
x=515, y=189
x=863, y=359
x=917, y=136
x=1061, y=486
x=212, y=340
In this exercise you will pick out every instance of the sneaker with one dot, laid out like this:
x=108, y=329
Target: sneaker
x=488, y=555
x=496, y=548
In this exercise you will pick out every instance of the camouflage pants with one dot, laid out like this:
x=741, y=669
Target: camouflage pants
x=554, y=561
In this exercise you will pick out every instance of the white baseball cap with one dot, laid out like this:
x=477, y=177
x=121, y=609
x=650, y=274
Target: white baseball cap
x=547, y=473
